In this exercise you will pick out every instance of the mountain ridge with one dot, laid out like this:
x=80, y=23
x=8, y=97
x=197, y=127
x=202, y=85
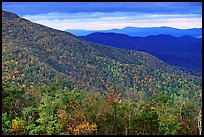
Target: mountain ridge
x=144, y=31
x=176, y=51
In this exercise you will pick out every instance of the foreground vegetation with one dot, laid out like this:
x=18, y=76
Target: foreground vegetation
x=59, y=110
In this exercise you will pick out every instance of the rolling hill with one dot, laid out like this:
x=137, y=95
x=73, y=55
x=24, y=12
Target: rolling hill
x=144, y=31
x=184, y=52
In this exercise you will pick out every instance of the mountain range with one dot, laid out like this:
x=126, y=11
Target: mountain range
x=184, y=52
x=144, y=31
x=55, y=83
x=34, y=55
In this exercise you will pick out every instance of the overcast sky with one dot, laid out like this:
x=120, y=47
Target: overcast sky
x=109, y=15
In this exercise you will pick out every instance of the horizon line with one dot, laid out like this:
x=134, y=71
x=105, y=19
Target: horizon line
x=134, y=27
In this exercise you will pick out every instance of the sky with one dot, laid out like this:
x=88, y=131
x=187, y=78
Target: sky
x=109, y=15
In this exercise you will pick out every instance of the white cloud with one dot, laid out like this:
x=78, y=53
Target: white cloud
x=103, y=21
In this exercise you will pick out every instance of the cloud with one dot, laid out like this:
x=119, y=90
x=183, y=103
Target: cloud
x=103, y=20
x=108, y=15
x=104, y=15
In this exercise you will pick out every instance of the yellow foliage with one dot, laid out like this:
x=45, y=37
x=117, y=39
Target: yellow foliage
x=24, y=86
x=84, y=129
x=169, y=117
x=16, y=125
x=62, y=114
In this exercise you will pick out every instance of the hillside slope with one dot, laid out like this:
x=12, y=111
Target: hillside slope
x=34, y=55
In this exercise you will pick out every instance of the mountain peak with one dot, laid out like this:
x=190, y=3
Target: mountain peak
x=9, y=15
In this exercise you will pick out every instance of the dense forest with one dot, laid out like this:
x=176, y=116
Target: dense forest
x=63, y=111
x=56, y=83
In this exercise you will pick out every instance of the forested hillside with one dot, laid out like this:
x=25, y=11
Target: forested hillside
x=56, y=83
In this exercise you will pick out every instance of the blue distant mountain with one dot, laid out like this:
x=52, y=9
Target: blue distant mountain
x=184, y=51
x=143, y=32
x=80, y=32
